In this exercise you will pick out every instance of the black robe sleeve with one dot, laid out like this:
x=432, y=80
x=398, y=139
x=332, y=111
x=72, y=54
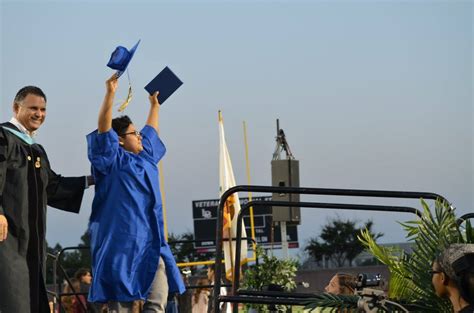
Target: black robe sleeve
x=64, y=193
x=3, y=168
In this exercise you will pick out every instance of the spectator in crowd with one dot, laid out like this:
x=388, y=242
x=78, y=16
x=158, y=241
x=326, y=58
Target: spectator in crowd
x=453, y=276
x=137, y=306
x=342, y=284
x=200, y=298
x=225, y=307
x=83, y=275
x=185, y=299
x=52, y=302
x=70, y=303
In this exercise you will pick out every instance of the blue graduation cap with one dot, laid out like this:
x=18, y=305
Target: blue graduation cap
x=166, y=82
x=121, y=57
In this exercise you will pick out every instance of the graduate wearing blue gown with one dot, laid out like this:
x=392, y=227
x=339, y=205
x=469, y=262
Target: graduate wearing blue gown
x=126, y=224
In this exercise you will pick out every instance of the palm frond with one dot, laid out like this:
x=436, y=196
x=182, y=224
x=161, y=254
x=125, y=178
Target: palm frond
x=469, y=233
x=334, y=303
x=410, y=280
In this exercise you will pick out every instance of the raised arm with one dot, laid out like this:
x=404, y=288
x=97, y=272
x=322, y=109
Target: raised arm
x=105, y=113
x=152, y=119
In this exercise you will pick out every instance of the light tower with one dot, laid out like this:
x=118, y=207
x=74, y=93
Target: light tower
x=285, y=173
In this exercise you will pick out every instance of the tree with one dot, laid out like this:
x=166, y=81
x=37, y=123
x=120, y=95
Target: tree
x=85, y=254
x=71, y=260
x=185, y=251
x=49, y=261
x=270, y=271
x=339, y=242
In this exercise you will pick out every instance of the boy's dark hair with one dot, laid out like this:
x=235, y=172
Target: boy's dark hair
x=120, y=124
x=23, y=92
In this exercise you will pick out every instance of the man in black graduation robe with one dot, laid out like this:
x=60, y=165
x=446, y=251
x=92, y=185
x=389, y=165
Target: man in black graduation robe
x=27, y=186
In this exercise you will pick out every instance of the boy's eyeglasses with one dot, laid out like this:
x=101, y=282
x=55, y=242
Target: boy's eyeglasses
x=136, y=133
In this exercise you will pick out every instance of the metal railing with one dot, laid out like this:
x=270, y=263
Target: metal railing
x=58, y=290
x=464, y=218
x=57, y=258
x=256, y=297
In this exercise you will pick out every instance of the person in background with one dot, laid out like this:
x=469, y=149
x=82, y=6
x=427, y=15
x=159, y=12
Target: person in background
x=200, y=298
x=83, y=275
x=52, y=301
x=342, y=284
x=70, y=303
x=137, y=306
x=224, y=306
x=185, y=299
x=453, y=276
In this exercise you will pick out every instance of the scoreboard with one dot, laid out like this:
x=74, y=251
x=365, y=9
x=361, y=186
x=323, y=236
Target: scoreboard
x=266, y=234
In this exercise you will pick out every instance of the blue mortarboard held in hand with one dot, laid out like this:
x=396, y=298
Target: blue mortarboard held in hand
x=121, y=57
x=119, y=60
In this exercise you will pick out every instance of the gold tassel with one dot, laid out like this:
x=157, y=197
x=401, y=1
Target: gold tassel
x=129, y=98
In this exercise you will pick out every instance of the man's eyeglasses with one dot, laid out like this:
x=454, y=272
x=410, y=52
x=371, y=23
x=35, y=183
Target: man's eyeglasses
x=432, y=272
x=136, y=133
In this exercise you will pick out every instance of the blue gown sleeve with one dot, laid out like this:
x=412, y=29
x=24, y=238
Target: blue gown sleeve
x=103, y=150
x=153, y=147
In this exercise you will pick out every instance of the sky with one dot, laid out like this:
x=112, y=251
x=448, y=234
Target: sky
x=370, y=94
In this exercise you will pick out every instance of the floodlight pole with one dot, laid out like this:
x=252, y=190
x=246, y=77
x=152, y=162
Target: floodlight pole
x=284, y=241
x=282, y=145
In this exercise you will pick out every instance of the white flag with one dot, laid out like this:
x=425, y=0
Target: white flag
x=231, y=208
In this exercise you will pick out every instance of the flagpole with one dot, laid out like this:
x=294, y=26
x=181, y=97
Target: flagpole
x=229, y=231
x=163, y=200
x=163, y=196
x=247, y=166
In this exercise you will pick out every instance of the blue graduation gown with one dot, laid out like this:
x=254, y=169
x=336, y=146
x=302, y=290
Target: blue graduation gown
x=126, y=223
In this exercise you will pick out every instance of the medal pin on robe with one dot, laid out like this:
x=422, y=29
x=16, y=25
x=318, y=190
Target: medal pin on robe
x=37, y=163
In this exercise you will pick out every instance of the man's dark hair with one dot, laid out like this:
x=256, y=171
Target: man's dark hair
x=120, y=124
x=81, y=272
x=25, y=91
